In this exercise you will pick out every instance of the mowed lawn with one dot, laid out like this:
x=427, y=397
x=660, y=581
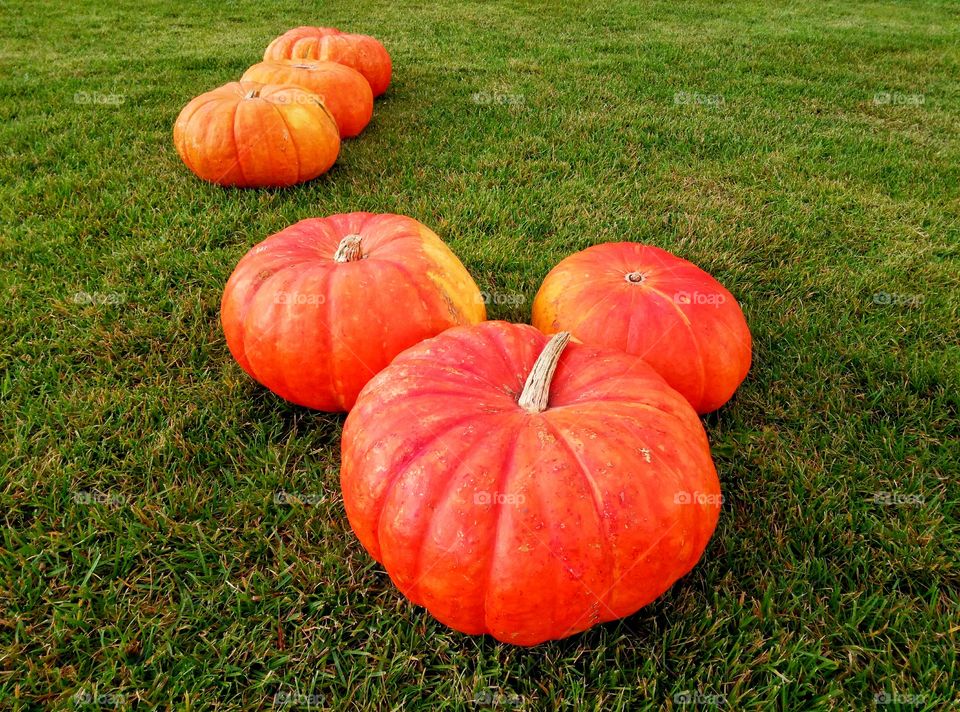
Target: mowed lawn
x=173, y=534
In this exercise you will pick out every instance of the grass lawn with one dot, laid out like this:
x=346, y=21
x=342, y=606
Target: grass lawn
x=173, y=533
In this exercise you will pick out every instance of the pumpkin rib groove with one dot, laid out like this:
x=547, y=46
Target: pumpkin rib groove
x=701, y=367
x=241, y=337
x=597, y=505
x=184, y=124
x=474, y=393
x=509, y=362
x=328, y=292
x=407, y=463
x=631, y=404
x=495, y=535
x=193, y=145
x=456, y=370
x=283, y=390
x=408, y=279
x=639, y=559
x=236, y=144
x=452, y=478
x=293, y=141
x=589, y=312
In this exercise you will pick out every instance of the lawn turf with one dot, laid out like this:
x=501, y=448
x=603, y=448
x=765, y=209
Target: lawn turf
x=805, y=154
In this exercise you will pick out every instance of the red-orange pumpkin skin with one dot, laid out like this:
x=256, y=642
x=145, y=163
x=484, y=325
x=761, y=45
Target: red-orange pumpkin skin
x=361, y=52
x=646, y=301
x=528, y=526
x=252, y=135
x=314, y=329
x=343, y=90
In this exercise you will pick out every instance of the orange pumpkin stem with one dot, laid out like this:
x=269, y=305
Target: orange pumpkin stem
x=536, y=391
x=348, y=250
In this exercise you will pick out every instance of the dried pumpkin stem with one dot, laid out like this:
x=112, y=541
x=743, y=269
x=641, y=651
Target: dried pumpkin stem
x=536, y=391
x=348, y=250
x=252, y=94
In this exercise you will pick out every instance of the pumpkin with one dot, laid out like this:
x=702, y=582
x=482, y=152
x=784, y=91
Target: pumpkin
x=526, y=487
x=343, y=90
x=646, y=301
x=316, y=310
x=361, y=52
x=249, y=135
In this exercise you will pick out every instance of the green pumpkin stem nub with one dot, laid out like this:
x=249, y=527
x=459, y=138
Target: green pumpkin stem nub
x=348, y=250
x=536, y=391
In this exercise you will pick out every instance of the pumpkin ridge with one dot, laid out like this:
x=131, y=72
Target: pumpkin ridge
x=328, y=293
x=502, y=480
x=407, y=462
x=446, y=489
x=701, y=367
x=236, y=144
x=589, y=312
x=202, y=111
x=456, y=370
x=597, y=501
x=510, y=363
x=471, y=392
x=633, y=404
x=283, y=390
x=639, y=559
x=293, y=142
x=408, y=278
x=180, y=128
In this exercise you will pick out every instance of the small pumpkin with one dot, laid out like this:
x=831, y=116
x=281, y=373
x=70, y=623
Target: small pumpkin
x=524, y=486
x=646, y=301
x=251, y=135
x=316, y=310
x=343, y=90
x=361, y=52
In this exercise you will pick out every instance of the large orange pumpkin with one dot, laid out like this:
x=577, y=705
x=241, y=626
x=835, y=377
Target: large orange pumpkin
x=361, y=52
x=316, y=310
x=527, y=503
x=646, y=301
x=250, y=135
x=343, y=90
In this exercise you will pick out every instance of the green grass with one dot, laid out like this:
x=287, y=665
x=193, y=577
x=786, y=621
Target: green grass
x=190, y=587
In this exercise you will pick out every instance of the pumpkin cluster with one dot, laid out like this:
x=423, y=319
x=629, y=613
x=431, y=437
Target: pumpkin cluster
x=282, y=123
x=526, y=482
